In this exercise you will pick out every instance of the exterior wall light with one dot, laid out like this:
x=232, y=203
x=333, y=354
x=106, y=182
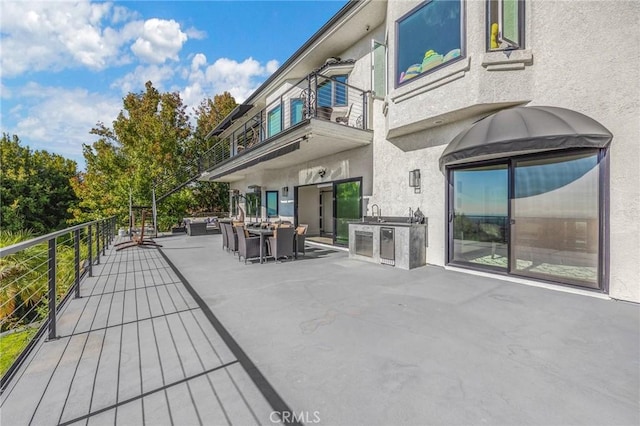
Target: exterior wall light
x=414, y=180
x=285, y=191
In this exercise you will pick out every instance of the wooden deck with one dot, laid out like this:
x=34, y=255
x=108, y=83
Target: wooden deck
x=138, y=348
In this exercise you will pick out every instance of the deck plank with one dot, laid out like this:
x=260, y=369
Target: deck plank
x=135, y=348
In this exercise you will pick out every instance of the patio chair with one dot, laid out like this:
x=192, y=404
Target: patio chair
x=248, y=247
x=301, y=236
x=233, y=238
x=281, y=244
x=345, y=118
x=225, y=236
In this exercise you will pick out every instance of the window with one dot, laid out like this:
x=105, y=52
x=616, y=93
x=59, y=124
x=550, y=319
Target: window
x=234, y=206
x=272, y=203
x=297, y=107
x=378, y=69
x=274, y=120
x=427, y=38
x=333, y=92
x=253, y=204
x=505, y=24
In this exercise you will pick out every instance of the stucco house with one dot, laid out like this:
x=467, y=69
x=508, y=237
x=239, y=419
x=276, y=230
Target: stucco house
x=512, y=125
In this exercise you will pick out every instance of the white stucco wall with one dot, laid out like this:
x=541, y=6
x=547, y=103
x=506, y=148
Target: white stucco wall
x=583, y=56
x=344, y=165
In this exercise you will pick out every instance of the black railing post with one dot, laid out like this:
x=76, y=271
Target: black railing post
x=97, y=243
x=315, y=98
x=90, y=244
x=104, y=237
x=282, y=113
x=52, y=289
x=76, y=261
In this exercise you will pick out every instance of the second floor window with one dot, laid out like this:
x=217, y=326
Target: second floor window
x=274, y=121
x=505, y=23
x=333, y=92
x=428, y=37
x=296, y=107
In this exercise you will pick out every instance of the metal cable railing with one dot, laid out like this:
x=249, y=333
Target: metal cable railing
x=327, y=98
x=36, y=278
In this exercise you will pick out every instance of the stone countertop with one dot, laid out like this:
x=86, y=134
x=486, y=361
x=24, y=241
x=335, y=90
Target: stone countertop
x=386, y=221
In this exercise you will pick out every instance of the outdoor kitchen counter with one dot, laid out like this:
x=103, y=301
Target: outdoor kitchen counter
x=396, y=243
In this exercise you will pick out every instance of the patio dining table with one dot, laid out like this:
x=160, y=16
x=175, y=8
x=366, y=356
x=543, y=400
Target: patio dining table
x=262, y=232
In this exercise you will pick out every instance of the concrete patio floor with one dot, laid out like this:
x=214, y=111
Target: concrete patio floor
x=336, y=341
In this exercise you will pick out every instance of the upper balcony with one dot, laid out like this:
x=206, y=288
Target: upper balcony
x=321, y=110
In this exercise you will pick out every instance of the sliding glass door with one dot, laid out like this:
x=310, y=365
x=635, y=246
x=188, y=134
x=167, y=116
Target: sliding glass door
x=555, y=212
x=347, y=208
x=537, y=216
x=480, y=216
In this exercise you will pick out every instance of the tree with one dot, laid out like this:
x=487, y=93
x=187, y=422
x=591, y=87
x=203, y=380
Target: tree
x=146, y=145
x=36, y=191
x=211, y=196
x=151, y=145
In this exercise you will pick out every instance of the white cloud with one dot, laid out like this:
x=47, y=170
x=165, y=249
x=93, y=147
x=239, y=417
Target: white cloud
x=5, y=92
x=59, y=120
x=52, y=36
x=196, y=34
x=238, y=78
x=135, y=80
x=160, y=40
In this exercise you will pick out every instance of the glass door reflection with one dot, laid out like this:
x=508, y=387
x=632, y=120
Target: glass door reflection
x=347, y=208
x=555, y=232
x=480, y=216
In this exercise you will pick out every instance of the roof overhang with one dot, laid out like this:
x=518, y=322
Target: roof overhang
x=351, y=23
x=524, y=130
x=312, y=139
x=236, y=113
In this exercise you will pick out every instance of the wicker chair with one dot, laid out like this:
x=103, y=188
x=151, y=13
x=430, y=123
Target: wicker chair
x=248, y=247
x=225, y=236
x=301, y=236
x=281, y=244
x=232, y=238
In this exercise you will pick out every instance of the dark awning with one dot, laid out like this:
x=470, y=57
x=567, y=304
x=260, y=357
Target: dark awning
x=523, y=130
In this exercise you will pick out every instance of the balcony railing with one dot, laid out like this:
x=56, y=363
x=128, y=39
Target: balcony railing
x=37, y=276
x=316, y=96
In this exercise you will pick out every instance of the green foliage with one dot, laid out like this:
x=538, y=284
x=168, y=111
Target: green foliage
x=11, y=345
x=173, y=208
x=147, y=143
x=151, y=145
x=24, y=277
x=36, y=191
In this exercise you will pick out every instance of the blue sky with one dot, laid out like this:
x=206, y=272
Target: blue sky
x=67, y=65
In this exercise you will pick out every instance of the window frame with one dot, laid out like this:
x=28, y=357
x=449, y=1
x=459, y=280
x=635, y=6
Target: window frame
x=293, y=104
x=603, y=214
x=510, y=44
x=376, y=79
x=272, y=111
x=332, y=80
x=463, y=44
x=266, y=203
